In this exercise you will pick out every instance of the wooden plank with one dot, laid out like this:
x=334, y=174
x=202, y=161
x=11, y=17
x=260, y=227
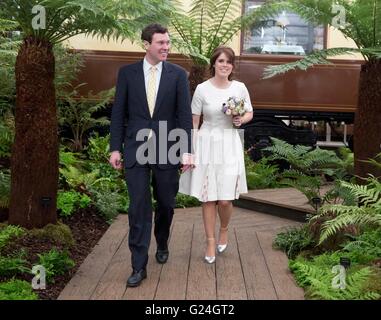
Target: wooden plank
x=202, y=276
x=104, y=273
x=278, y=227
x=290, y=203
x=256, y=221
x=259, y=285
x=230, y=280
x=174, y=275
x=249, y=214
x=277, y=263
x=112, y=285
x=286, y=197
x=84, y=282
x=147, y=290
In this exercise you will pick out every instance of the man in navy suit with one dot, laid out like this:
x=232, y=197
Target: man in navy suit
x=151, y=94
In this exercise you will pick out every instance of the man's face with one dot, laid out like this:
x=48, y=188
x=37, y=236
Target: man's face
x=158, y=49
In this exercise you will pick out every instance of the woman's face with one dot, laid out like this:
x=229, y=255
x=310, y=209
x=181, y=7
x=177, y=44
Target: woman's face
x=223, y=66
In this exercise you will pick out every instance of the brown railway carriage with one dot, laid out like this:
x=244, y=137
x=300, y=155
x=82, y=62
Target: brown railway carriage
x=322, y=93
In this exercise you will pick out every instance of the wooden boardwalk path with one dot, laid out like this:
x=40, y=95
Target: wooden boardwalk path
x=248, y=270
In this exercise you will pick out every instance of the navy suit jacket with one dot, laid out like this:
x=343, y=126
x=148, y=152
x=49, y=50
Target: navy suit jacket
x=130, y=111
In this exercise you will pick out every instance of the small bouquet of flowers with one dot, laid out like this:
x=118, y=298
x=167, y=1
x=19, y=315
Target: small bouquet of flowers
x=234, y=107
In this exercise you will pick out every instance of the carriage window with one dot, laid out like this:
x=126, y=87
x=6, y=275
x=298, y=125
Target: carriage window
x=286, y=33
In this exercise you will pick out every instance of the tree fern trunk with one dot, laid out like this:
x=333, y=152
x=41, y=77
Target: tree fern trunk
x=197, y=75
x=34, y=160
x=367, y=129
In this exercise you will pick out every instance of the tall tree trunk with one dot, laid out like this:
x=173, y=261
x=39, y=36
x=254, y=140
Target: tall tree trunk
x=197, y=75
x=34, y=159
x=367, y=128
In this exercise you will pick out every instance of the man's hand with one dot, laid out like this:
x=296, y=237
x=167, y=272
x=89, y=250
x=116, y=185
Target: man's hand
x=116, y=160
x=187, y=162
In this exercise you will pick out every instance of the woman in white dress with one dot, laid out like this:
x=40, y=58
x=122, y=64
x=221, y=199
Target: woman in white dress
x=219, y=173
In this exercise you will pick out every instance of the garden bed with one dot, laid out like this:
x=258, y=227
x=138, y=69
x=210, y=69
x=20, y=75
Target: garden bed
x=86, y=226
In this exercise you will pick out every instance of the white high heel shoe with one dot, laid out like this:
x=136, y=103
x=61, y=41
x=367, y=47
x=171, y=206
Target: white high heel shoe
x=210, y=259
x=222, y=247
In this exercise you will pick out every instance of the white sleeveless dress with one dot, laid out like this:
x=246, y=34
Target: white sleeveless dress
x=218, y=146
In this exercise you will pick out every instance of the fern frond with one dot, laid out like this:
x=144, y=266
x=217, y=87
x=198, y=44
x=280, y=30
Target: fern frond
x=367, y=194
x=315, y=58
x=348, y=216
x=5, y=189
x=316, y=277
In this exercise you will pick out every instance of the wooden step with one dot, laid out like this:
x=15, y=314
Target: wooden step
x=287, y=203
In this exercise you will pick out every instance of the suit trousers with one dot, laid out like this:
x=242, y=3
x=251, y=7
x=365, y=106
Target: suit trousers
x=165, y=185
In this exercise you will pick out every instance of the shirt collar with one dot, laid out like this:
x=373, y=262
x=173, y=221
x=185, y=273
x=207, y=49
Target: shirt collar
x=147, y=66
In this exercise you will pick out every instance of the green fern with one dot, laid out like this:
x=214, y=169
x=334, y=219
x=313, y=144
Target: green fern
x=365, y=247
x=375, y=162
x=8, y=233
x=98, y=148
x=293, y=241
x=7, y=129
x=70, y=159
x=303, y=158
x=369, y=213
x=5, y=188
x=16, y=264
x=15, y=289
x=316, y=277
x=80, y=179
x=78, y=113
x=261, y=174
x=354, y=290
x=308, y=168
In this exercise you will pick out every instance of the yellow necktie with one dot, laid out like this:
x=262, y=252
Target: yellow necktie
x=151, y=89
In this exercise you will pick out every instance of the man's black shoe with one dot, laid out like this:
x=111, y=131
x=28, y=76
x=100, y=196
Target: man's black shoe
x=136, y=278
x=162, y=256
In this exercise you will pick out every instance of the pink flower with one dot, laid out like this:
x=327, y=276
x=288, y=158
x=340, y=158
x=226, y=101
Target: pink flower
x=228, y=112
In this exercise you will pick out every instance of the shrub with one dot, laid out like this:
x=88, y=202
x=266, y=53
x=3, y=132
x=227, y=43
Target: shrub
x=293, y=241
x=69, y=201
x=78, y=113
x=108, y=204
x=261, y=174
x=309, y=168
x=8, y=233
x=365, y=247
x=185, y=201
x=7, y=131
x=17, y=290
x=98, y=148
x=55, y=263
x=368, y=213
x=59, y=233
x=316, y=277
x=11, y=266
x=5, y=188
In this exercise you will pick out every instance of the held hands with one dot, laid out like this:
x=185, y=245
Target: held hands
x=116, y=160
x=187, y=162
x=237, y=121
